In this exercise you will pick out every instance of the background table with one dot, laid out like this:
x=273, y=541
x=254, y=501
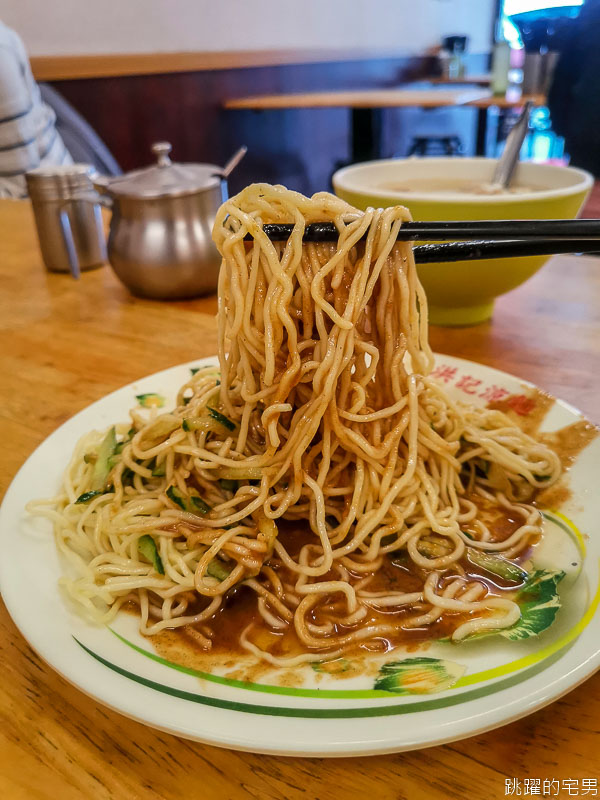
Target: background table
x=366, y=106
x=66, y=344
x=476, y=80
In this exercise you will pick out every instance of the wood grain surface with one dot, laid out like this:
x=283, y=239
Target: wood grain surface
x=384, y=98
x=363, y=98
x=66, y=344
x=105, y=65
x=477, y=80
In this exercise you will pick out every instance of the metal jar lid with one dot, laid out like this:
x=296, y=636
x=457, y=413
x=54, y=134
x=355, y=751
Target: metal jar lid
x=164, y=179
x=59, y=182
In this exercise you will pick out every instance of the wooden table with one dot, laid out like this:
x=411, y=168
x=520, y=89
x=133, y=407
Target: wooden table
x=367, y=106
x=476, y=80
x=66, y=344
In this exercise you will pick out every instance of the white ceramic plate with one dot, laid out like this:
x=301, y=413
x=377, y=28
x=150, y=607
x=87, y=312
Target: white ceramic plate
x=320, y=715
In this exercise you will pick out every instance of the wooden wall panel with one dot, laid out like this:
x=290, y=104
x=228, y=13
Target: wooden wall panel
x=299, y=148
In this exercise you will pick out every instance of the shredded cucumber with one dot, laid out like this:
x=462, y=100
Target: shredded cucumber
x=147, y=547
x=150, y=400
x=239, y=473
x=190, y=503
x=221, y=418
x=216, y=569
x=497, y=565
x=102, y=467
x=87, y=496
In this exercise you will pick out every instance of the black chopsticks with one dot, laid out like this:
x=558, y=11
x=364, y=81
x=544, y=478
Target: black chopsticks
x=520, y=248
x=483, y=238
x=449, y=231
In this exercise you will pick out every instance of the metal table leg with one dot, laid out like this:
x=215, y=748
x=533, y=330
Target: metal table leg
x=365, y=135
x=481, y=142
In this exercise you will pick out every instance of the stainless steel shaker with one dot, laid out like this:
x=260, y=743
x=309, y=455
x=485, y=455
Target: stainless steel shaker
x=68, y=217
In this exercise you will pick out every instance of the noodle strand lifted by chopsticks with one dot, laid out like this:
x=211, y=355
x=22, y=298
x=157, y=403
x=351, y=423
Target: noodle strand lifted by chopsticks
x=322, y=412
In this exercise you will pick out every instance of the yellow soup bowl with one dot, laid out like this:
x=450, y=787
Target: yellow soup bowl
x=463, y=292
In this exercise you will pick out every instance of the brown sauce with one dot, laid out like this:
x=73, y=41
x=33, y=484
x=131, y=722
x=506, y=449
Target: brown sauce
x=568, y=442
x=527, y=411
x=501, y=523
x=554, y=497
x=398, y=573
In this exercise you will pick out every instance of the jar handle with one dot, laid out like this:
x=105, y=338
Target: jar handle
x=69, y=242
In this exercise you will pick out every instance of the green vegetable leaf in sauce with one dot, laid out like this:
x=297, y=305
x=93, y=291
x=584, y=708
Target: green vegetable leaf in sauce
x=539, y=601
x=151, y=400
x=147, y=547
x=418, y=675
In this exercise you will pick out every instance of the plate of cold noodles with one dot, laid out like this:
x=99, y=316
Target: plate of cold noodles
x=322, y=540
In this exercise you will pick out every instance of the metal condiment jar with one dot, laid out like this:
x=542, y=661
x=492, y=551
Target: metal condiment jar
x=160, y=242
x=68, y=217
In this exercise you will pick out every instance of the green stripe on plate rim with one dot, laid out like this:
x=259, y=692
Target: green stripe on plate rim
x=467, y=680
x=550, y=655
x=326, y=713
x=531, y=664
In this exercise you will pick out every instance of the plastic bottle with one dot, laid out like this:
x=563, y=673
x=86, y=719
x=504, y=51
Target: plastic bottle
x=500, y=63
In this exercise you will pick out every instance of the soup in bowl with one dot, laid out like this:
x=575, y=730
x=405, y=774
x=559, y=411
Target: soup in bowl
x=463, y=292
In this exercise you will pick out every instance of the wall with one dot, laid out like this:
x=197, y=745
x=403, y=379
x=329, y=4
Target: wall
x=64, y=27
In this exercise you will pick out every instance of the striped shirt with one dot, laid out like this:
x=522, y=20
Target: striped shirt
x=28, y=135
